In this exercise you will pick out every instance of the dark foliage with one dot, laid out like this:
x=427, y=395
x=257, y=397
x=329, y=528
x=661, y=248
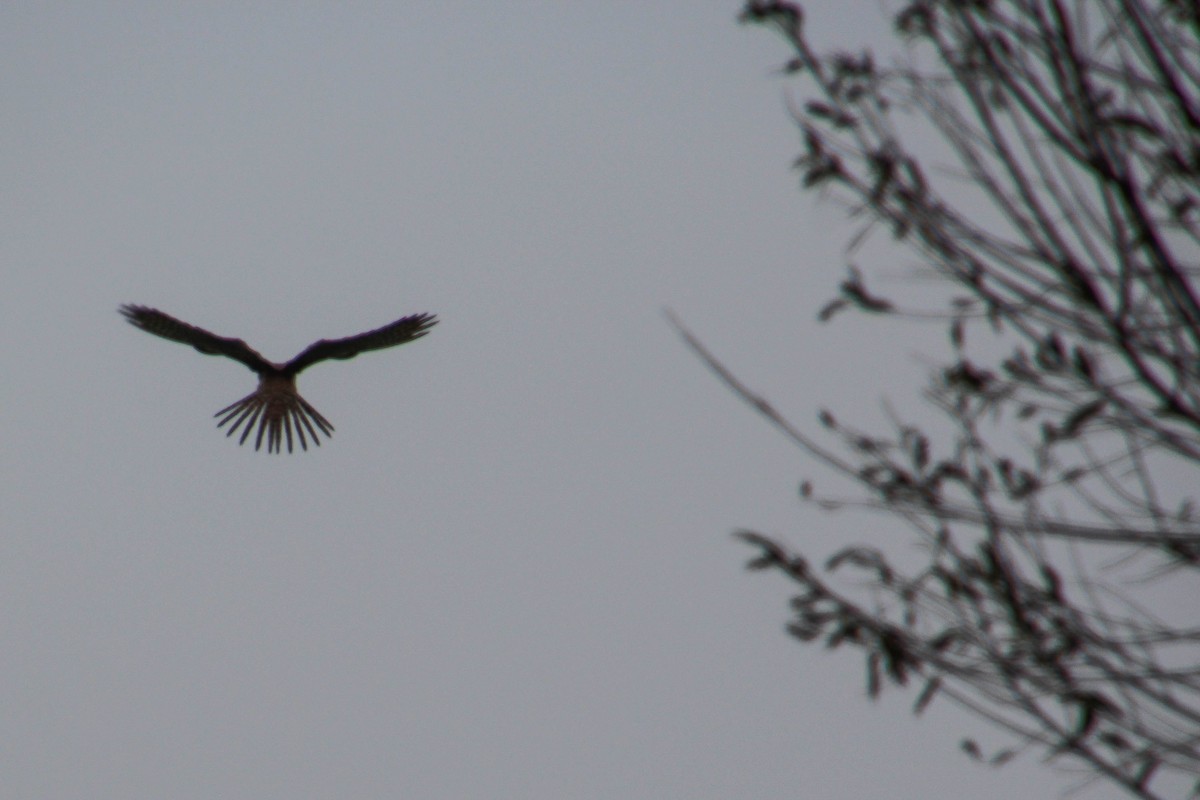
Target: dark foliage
x=1069, y=457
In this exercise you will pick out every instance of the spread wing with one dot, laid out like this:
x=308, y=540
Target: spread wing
x=152, y=320
x=399, y=332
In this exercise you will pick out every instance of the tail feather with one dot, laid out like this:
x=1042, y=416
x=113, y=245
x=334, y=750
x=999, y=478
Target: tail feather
x=275, y=416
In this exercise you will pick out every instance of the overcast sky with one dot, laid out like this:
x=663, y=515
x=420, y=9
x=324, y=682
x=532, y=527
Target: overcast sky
x=510, y=572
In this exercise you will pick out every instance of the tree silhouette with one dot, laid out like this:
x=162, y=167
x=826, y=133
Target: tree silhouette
x=1055, y=500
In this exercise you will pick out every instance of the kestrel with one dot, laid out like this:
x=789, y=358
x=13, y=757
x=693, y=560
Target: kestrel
x=275, y=405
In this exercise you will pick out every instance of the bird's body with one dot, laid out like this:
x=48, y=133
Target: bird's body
x=276, y=407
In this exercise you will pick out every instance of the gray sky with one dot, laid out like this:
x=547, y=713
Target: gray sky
x=509, y=574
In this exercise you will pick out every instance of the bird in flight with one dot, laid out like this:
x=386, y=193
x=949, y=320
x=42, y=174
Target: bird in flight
x=276, y=406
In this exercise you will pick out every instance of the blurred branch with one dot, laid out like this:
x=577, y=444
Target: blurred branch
x=1072, y=240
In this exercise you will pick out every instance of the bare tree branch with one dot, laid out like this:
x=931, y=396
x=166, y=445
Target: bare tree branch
x=1062, y=493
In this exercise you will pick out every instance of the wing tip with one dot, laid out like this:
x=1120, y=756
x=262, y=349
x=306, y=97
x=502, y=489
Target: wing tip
x=134, y=313
x=425, y=320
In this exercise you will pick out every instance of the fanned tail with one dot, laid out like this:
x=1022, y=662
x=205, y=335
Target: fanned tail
x=277, y=416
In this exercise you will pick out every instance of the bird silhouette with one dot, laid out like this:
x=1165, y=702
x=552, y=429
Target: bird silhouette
x=276, y=406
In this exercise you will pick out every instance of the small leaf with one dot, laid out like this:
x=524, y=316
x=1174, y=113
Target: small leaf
x=831, y=308
x=863, y=557
x=920, y=454
x=1049, y=355
x=848, y=631
x=896, y=656
x=945, y=639
x=760, y=563
x=804, y=633
x=1002, y=758
x=772, y=554
x=926, y=696
x=854, y=290
x=1080, y=417
x=818, y=109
